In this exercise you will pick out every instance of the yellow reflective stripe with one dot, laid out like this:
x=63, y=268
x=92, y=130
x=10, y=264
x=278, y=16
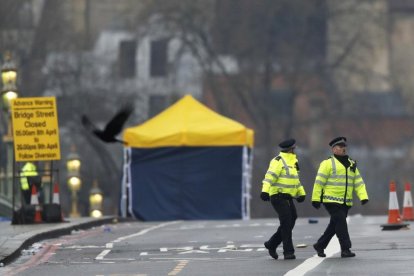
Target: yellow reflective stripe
x=340, y=176
x=272, y=174
x=285, y=165
x=268, y=181
x=286, y=186
x=322, y=175
x=317, y=181
x=359, y=183
x=286, y=183
x=289, y=176
x=333, y=166
x=332, y=183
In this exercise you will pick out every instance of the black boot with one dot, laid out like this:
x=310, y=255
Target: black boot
x=289, y=256
x=272, y=251
x=346, y=253
x=319, y=250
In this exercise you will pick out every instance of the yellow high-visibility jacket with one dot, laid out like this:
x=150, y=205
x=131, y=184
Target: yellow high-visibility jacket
x=335, y=184
x=29, y=169
x=282, y=176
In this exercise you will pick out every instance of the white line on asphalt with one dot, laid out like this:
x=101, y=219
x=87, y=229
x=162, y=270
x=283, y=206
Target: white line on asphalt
x=119, y=259
x=102, y=254
x=142, y=232
x=310, y=263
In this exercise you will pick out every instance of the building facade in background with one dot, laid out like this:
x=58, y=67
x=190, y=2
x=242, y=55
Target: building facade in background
x=89, y=51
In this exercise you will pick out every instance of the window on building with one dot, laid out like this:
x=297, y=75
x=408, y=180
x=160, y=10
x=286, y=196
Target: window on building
x=127, y=64
x=158, y=62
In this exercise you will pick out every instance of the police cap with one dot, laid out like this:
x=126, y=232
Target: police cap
x=287, y=144
x=338, y=141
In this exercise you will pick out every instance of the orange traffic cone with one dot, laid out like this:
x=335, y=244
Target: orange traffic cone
x=408, y=203
x=55, y=198
x=394, y=218
x=35, y=201
x=393, y=207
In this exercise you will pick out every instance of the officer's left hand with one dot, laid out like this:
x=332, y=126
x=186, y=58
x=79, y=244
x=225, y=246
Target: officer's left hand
x=264, y=196
x=300, y=198
x=316, y=204
x=364, y=201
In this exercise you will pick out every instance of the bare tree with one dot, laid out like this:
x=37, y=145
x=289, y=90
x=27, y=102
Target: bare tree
x=292, y=57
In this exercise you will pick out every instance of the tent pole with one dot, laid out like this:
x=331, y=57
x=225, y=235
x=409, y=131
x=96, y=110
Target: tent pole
x=246, y=184
x=125, y=178
x=249, y=180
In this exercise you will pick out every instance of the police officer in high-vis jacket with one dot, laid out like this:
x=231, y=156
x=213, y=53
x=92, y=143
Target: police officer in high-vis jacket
x=337, y=179
x=281, y=185
x=29, y=169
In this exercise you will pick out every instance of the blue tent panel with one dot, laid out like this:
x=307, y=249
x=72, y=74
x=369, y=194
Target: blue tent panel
x=187, y=183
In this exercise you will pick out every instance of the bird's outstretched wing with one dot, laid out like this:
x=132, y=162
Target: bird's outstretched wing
x=115, y=125
x=88, y=124
x=112, y=128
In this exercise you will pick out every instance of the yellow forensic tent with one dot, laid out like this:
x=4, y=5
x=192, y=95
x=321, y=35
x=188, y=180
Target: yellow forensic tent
x=188, y=123
x=188, y=162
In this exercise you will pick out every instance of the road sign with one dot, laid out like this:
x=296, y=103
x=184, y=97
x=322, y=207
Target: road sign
x=35, y=129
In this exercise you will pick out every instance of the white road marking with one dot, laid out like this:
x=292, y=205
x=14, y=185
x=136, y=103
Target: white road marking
x=142, y=232
x=251, y=245
x=81, y=246
x=310, y=263
x=119, y=259
x=102, y=254
x=184, y=248
x=193, y=251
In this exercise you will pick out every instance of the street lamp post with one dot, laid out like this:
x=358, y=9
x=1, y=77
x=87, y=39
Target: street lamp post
x=8, y=93
x=47, y=183
x=73, y=164
x=95, y=200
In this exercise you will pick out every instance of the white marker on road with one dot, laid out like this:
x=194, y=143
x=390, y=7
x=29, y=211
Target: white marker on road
x=142, y=232
x=310, y=263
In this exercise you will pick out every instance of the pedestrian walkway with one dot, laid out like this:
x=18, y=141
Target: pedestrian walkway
x=14, y=238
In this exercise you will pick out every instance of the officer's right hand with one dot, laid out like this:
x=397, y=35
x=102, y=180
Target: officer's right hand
x=264, y=196
x=300, y=199
x=316, y=204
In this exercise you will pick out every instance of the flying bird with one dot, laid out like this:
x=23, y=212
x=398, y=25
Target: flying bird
x=112, y=128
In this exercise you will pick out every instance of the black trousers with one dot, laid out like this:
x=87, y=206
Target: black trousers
x=286, y=210
x=26, y=196
x=337, y=225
